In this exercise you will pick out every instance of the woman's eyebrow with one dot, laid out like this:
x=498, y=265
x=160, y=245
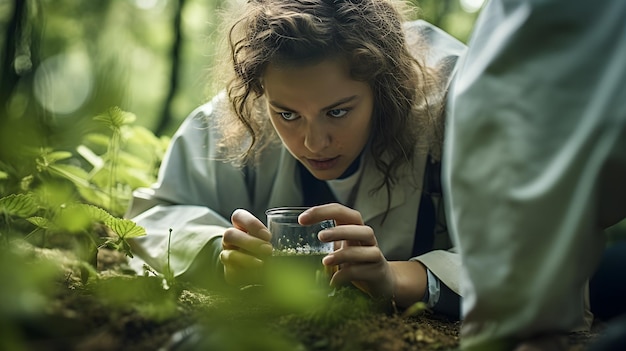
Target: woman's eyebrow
x=329, y=107
x=340, y=102
x=279, y=106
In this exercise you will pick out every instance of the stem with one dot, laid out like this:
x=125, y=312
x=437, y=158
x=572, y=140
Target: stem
x=114, y=147
x=32, y=233
x=169, y=241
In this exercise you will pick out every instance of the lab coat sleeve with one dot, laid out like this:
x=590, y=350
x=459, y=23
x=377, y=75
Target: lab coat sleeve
x=443, y=52
x=445, y=265
x=537, y=119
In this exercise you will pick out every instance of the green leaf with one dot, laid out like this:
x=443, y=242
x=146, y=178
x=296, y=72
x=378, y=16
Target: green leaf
x=98, y=214
x=93, y=195
x=127, y=159
x=40, y=222
x=115, y=118
x=125, y=228
x=97, y=140
x=20, y=205
x=135, y=178
x=26, y=182
x=74, y=174
x=47, y=158
x=144, y=136
x=4, y=175
x=55, y=156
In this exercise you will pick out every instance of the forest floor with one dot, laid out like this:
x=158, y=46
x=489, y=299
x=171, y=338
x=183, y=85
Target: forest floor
x=124, y=312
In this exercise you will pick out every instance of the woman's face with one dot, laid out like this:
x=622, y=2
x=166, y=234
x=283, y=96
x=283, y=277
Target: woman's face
x=322, y=116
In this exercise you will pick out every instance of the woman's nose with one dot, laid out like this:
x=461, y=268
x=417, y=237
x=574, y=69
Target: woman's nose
x=316, y=138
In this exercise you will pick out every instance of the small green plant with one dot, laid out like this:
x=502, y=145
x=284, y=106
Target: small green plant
x=126, y=159
x=59, y=205
x=75, y=199
x=74, y=222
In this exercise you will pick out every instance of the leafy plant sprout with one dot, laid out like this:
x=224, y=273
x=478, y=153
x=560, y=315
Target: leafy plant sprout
x=115, y=119
x=62, y=197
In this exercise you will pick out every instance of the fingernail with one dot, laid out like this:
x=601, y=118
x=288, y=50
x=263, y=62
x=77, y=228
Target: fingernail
x=302, y=216
x=328, y=260
x=323, y=234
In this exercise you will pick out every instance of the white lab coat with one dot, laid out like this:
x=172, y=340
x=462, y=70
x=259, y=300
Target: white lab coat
x=535, y=161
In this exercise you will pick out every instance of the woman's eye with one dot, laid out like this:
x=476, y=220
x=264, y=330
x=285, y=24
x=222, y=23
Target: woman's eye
x=288, y=116
x=337, y=112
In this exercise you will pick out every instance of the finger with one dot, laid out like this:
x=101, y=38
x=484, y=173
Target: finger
x=340, y=213
x=354, y=273
x=235, y=239
x=336, y=244
x=353, y=234
x=368, y=278
x=240, y=270
x=245, y=221
x=235, y=259
x=354, y=255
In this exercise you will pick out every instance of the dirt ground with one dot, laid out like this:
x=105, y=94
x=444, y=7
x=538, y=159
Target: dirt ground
x=122, y=312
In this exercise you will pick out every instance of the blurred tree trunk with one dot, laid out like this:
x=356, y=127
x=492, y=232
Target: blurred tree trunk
x=26, y=126
x=8, y=75
x=21, y=53
x=176, y=52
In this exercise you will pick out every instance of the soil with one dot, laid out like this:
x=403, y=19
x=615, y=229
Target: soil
x=118, y=311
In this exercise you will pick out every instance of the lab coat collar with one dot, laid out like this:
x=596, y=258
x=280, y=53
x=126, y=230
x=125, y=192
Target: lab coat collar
x=372, y=204
x=287, y=190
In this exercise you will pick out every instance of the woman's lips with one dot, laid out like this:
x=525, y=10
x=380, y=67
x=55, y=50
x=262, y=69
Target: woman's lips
x=323, y=164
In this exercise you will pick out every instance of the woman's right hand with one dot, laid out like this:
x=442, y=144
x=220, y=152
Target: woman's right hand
x=244, y=247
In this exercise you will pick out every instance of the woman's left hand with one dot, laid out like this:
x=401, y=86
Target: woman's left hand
x=357, y=255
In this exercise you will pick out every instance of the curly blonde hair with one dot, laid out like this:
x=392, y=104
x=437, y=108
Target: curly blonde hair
x=369, y=34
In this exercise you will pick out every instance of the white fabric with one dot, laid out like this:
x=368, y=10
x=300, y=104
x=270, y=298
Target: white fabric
x=535, y=161
x=434, y=289
x=342, y=188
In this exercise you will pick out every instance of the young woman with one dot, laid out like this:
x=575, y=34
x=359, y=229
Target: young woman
x=331, y=103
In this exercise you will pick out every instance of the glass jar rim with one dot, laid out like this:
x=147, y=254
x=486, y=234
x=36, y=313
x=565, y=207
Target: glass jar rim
x=286, y=211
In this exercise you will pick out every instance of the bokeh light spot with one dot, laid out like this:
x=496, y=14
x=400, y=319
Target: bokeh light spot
x=471, y=6
x=64, y=82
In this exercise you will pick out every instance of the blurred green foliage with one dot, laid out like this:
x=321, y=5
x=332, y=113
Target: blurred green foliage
x=64, y=62
x=89, y=93
x=77, y=58
x=54, y=197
